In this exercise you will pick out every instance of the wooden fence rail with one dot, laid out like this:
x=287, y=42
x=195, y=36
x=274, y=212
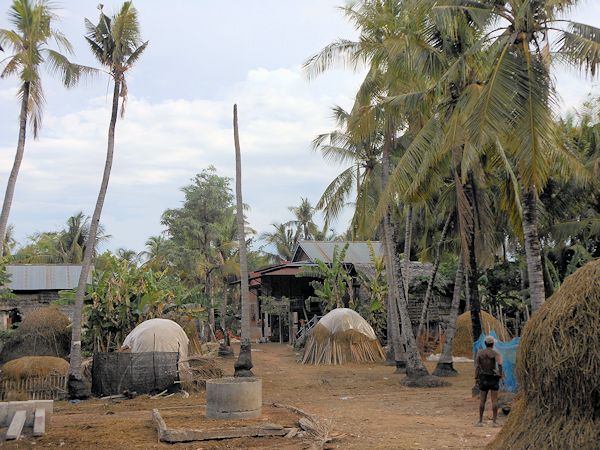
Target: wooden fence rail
x=51, y=387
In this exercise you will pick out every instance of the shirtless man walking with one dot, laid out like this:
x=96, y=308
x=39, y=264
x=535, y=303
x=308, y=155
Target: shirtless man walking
x=488, y=377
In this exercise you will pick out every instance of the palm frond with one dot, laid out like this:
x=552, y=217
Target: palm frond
x=343, y=51
x=579, y=46
x=69, y=72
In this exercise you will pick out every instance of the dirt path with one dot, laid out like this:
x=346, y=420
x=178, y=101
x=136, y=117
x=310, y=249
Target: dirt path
x=365, y=402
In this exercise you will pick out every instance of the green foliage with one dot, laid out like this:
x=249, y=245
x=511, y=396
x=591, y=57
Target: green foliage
x=5, y=293
x=123, y=295
x=374, y=309
x=26, y=47
x=336, y=286
x=275, y=306
x=60, y=247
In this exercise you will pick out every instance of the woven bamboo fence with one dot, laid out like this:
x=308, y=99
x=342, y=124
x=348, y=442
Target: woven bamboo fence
x=50, y=387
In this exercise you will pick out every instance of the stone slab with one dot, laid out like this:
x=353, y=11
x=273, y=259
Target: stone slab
x=16, y=425
x=39, y=422
x=29, y=406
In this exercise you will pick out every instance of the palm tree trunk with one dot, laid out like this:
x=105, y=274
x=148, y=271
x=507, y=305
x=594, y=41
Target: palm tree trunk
x=535, y=273
x=475, y=305
x=444, y=367
x=243, y=365
x=407, y=246
x=414, y=365
x=394, y=337
x=77, y=384
x=436, y=265
x=14, y=173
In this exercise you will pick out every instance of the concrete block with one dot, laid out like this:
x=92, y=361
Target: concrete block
x=29, y=406
x=39, y=422
x=233, y=398
x=16, y=425
x=4, y=414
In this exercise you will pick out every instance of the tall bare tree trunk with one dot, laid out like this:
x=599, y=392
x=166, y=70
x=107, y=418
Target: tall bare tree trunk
x=436, y=265
x=14, y=173
x=78, y=386
x=414, y=365
x=243, y=365
x=211, y=310
x=224, y=347
x=445, y=367
x=535, y=274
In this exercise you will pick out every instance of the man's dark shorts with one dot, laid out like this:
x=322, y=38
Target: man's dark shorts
x=489, y=383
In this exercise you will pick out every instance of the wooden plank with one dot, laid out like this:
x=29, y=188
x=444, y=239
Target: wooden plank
x=39, y=422
x=173, y=435
x=16, y=425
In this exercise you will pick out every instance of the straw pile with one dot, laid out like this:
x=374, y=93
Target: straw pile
x=463, y=339
x=340, y=337
x=558, y=367
x=43, y=332
x=199, y=370
x=34, y=366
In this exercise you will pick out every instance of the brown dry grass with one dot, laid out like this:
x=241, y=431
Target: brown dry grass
x=558, y=368
x=365, y=402
x=34, y=366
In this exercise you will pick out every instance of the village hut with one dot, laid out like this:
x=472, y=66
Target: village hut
x=558, y=363
x=342, y=336
x=153, y=359
x=158, y=335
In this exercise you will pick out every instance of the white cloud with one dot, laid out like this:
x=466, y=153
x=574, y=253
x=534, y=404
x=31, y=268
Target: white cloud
x=161, y=145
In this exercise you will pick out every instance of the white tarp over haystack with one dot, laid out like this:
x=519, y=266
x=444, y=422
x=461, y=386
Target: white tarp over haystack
x=342, y=336
x=158, y=335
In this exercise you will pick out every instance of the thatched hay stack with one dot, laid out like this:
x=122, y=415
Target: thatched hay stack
x=43, y=332
x=199, y=370
x=34, y=366
x=558, y=367
x=463, y=339
x=188, y=323
x=342, y=336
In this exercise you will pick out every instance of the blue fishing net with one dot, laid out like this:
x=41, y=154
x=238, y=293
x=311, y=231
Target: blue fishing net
x=508, y=350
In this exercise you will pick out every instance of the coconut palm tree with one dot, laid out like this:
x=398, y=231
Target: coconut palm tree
x=28, y=43
x=283, y=238
x=517, y=101
x=72, y=240
x=362, y=155
x=116, y=43
x=390, y=43
x=305, y=226
x=243, y=365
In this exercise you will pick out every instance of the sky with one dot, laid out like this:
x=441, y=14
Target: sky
x=203, y=57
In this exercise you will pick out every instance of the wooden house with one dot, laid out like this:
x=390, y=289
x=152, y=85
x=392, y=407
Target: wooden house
x=281, y=281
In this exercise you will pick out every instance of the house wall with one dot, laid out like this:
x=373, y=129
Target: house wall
x=27, y=302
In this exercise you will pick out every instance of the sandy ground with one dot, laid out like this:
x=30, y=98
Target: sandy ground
x=365, y=403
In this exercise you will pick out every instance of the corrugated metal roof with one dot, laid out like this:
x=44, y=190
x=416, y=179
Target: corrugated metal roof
x=33, y=277
x=357, y=253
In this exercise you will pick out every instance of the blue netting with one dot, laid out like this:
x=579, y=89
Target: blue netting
x=508, y=350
